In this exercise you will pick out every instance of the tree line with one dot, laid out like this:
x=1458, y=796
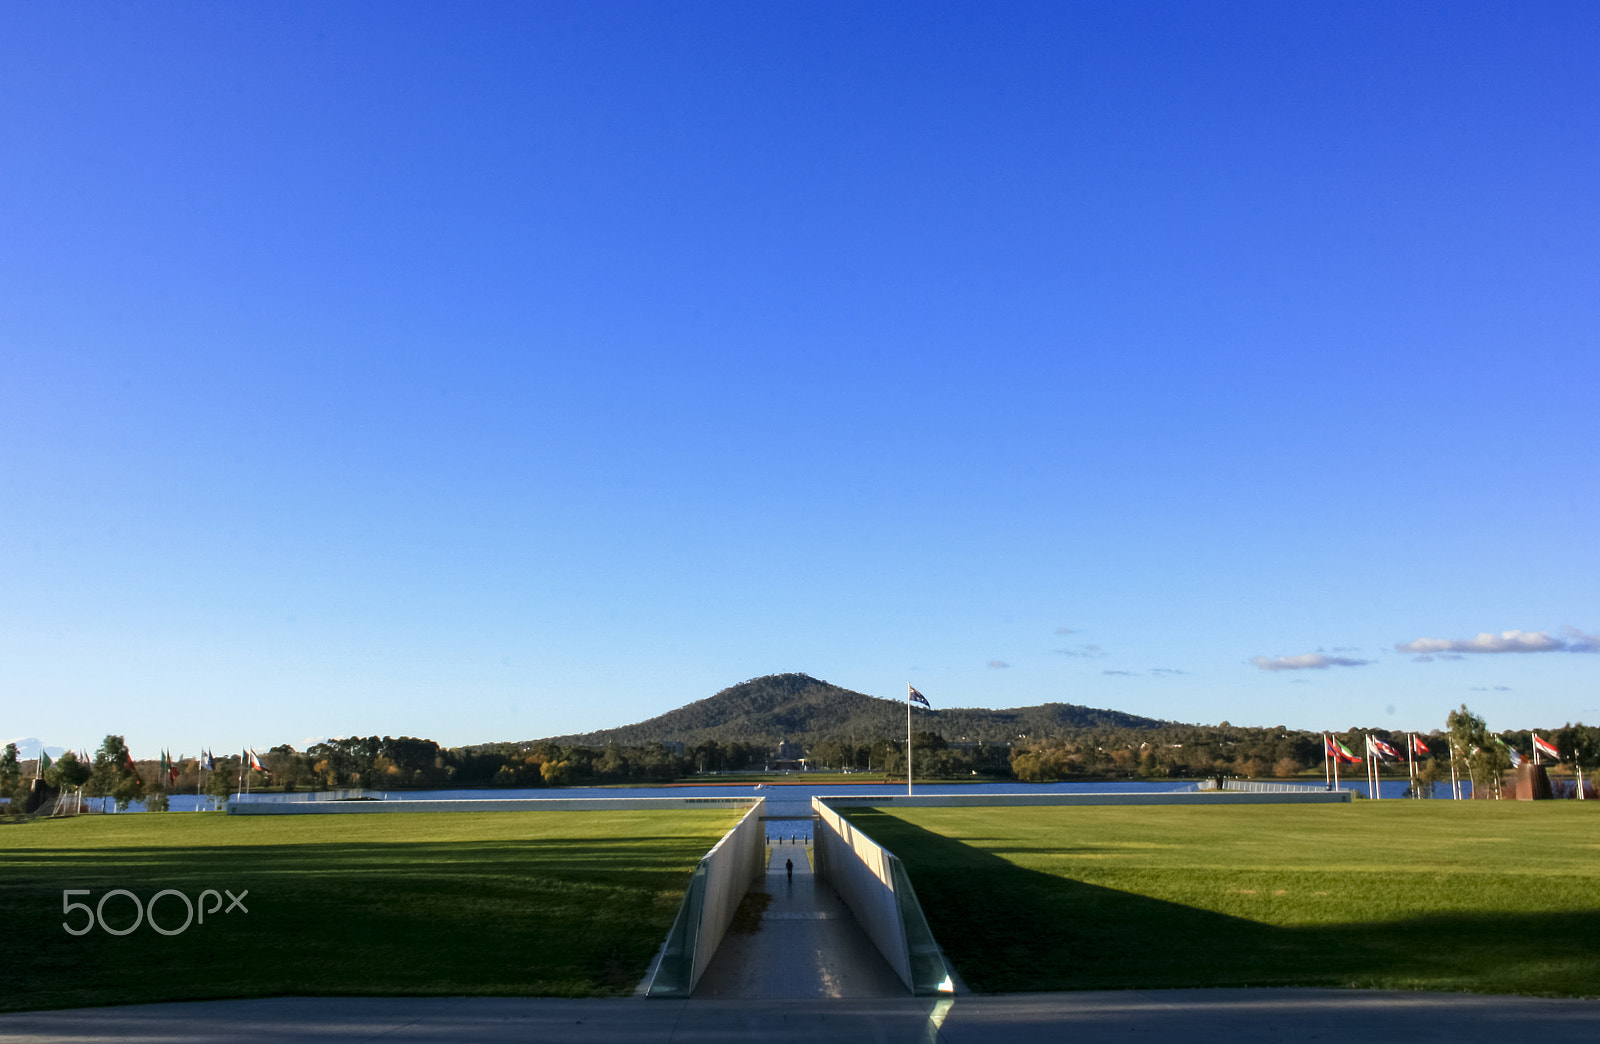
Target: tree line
x=1194, y=751
x=1165, y=752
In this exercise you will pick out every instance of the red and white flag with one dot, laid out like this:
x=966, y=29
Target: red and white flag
x=1420, y=749
x=1383, y=749
x=255, y=762
x=1547, y=749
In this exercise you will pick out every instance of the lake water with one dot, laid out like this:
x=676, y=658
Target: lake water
x=790, y=799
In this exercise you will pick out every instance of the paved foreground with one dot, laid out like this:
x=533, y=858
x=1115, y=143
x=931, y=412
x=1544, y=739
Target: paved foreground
x=1134, y=1017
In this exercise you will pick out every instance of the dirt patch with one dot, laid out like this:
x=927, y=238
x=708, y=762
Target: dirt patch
x=747, y=918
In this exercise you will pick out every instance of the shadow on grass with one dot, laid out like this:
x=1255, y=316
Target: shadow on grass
x=579, y=917
x=1008, y=929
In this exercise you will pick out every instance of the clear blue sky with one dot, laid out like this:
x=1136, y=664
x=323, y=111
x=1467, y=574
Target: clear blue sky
x=492, y=371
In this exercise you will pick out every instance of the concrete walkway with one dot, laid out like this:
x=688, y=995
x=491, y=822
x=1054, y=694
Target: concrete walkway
x=1127, y=1017
x=806, y=945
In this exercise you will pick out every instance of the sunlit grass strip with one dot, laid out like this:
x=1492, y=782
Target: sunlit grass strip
x=519, y=904
x=1486, y=897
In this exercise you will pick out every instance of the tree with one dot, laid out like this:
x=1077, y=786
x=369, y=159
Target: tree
x=219, y=781
x=1485, y=759
x=1580, y=745
x=10, y=771
x=612, y=764
x=1430, y=773
x=113, y=775
x=11, y=785
x=68, y=773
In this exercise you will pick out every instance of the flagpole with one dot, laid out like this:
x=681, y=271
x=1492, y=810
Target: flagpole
x=1368, y=766
x=1335, y=770
x=1372, y=752
x=1327, y=760
x=908, y=741
x=1411, y=760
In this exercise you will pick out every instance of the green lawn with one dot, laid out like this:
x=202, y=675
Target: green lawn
x=1493, y=897
x=512, y=903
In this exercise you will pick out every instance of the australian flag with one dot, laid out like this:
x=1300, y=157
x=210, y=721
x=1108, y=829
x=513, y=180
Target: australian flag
x=914, y=696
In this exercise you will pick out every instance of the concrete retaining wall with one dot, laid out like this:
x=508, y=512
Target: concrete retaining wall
x=875, y=887
x=857, y=867
x=736, y=861
x=718, y=883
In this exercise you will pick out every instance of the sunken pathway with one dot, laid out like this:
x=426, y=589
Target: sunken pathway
x=804, y=944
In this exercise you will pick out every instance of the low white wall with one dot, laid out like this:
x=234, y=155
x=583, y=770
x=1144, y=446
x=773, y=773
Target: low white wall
x=731, y=865
x=1258, y=787
x=301, y=796
x=312, y=808
x=1186, y=797
x=858, y=869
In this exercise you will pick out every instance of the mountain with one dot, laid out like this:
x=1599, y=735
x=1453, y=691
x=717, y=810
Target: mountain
x=28, y=748
x=800, y=708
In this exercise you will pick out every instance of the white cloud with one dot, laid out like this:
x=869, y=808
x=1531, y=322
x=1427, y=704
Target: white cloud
x=998, y=663
x=1306, y=662
x=1125, y=674
x=1088, y=652
x=1504, y=642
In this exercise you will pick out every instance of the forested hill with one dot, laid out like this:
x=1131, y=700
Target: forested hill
x=800, y=708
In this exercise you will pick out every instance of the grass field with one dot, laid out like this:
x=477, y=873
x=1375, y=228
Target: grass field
x=1493, y=897
x=536, y=903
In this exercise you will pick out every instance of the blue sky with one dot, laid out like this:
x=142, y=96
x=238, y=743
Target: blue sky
x=496, y=371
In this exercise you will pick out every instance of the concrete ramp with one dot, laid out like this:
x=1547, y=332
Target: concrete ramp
x=804, y=944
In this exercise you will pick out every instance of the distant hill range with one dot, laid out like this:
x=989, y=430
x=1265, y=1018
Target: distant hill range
x=800, y=708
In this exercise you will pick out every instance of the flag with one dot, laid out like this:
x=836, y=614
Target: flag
x=127, y=759
x=44, y=760
x=913, y=696
x=1339, y=752
x=1420, y=749
x=1516, y=759
x=208, y=762
x=255, y=762
x=1383, y=749
x=1545, y=747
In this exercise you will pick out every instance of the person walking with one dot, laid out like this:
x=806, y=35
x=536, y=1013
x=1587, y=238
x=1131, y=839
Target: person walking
x=788, y=865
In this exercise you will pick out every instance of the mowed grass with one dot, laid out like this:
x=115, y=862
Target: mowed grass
x=484, y=903
x=1491, y=897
